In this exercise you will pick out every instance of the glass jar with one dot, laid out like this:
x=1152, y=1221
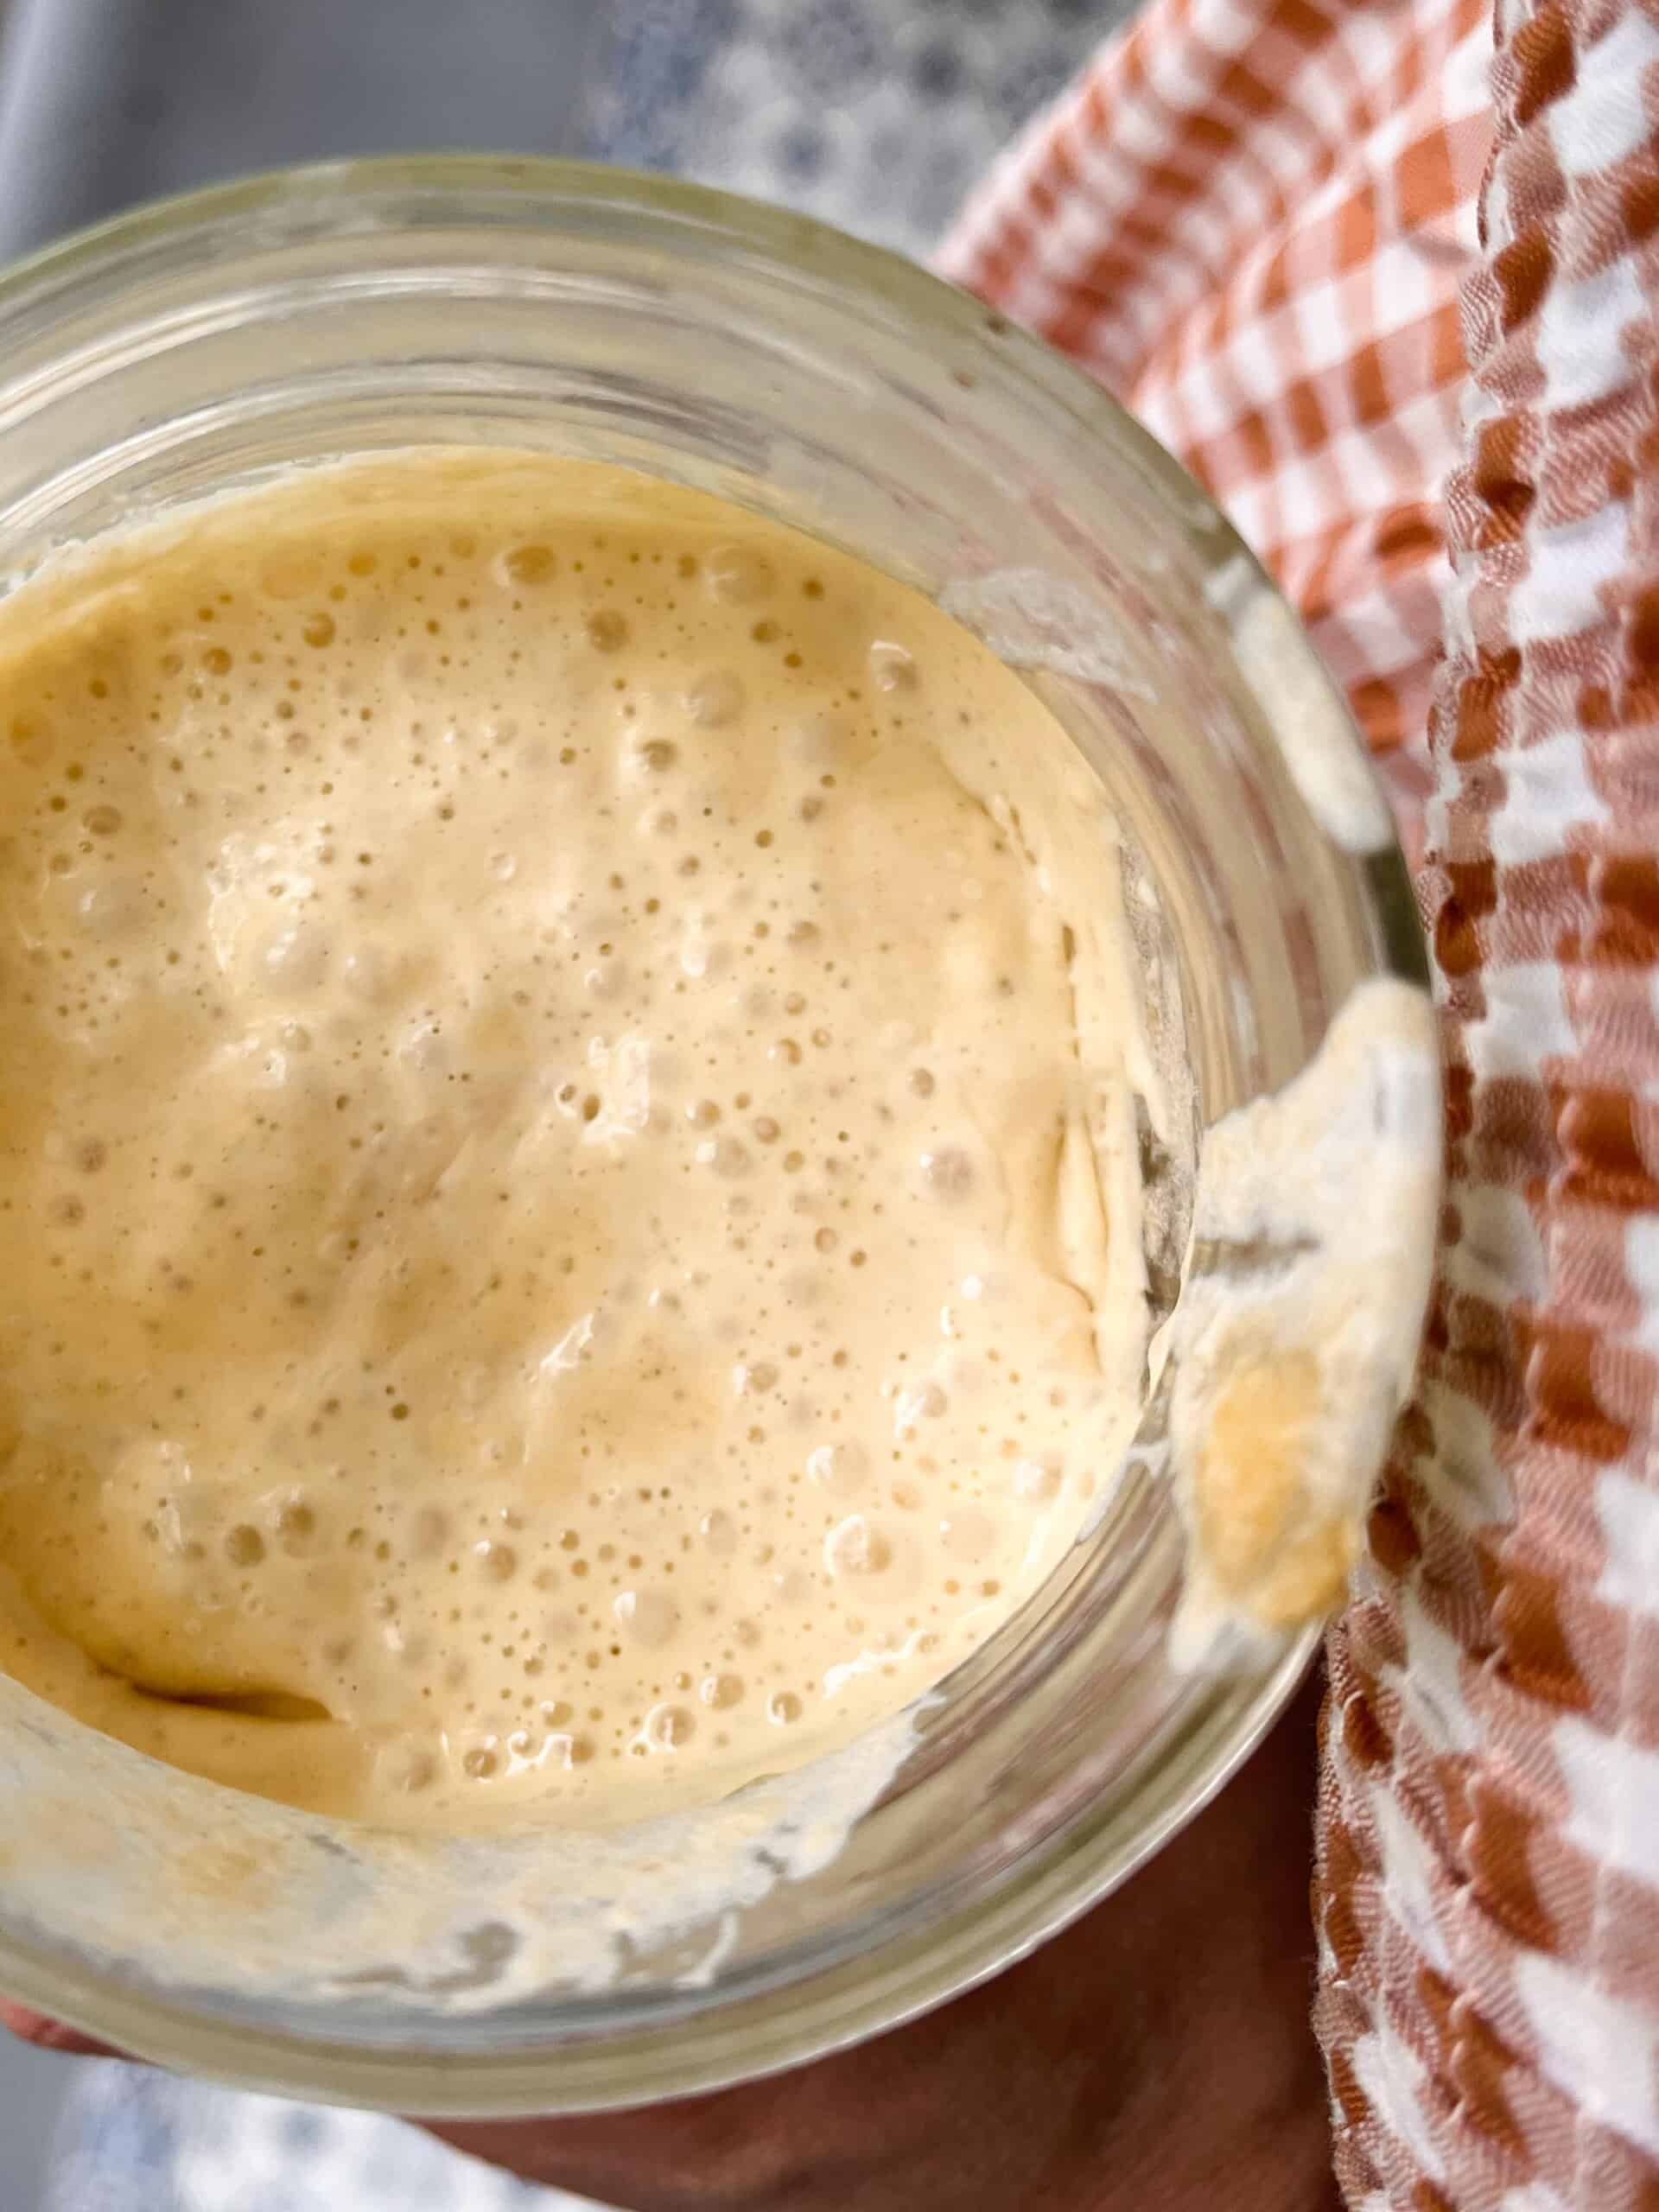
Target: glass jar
x=209, y=342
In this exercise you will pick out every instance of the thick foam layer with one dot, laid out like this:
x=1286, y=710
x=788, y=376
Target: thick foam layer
x=562, y=1249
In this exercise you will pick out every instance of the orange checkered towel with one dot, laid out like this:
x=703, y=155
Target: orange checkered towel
x=1386, y=276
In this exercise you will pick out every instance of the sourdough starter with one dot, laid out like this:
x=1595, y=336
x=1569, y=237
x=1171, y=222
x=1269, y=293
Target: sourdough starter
x=566, y=1161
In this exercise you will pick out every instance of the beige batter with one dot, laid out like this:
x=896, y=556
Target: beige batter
x=562, y=1250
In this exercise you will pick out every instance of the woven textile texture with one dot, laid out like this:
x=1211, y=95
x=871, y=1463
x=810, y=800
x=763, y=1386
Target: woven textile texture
x=1386, y=277
x=1250, y=219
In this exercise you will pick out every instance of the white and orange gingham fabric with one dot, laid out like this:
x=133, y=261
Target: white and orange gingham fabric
x=1250, y=219
x=1387, y=277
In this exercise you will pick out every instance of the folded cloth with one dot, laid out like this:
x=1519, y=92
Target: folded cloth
x=1250, y=219
x=1385, y=276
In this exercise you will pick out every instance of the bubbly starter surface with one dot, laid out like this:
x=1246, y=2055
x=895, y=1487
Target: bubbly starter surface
x=561, y=1248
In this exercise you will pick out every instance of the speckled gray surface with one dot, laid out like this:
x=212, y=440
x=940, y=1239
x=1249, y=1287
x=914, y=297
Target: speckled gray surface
x=877, y=114
x=33, y=2087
